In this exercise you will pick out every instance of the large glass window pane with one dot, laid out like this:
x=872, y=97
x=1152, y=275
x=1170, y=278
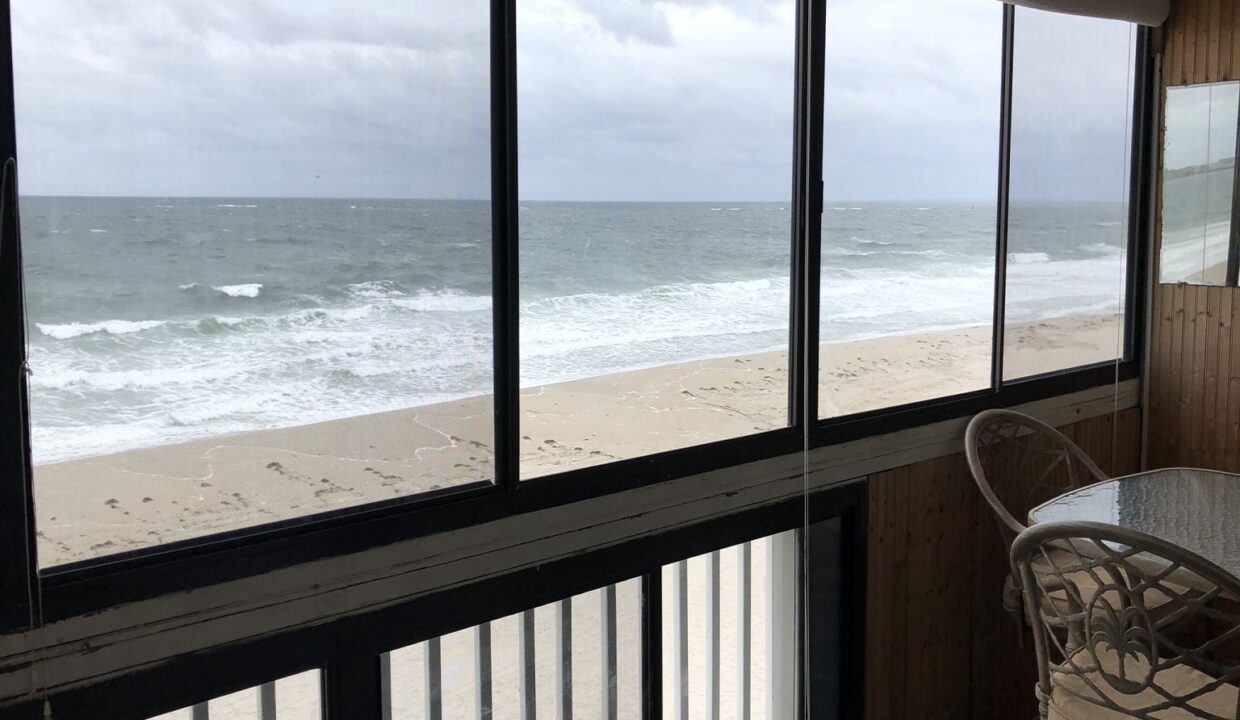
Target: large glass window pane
x=655, y=225
x=910, y=173
x=1068, y=224
x=1199, y=177
x=257, y=246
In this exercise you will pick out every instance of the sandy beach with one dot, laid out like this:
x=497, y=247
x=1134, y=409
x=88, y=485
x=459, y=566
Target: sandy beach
x=92, y=507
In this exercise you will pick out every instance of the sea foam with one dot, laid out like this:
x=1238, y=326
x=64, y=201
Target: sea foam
x=249, y=290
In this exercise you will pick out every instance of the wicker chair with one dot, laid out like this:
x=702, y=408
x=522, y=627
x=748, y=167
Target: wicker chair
x=1019, y=462
x=1101, y=654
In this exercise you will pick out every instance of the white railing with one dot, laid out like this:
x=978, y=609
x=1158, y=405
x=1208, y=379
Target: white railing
x=509, y=656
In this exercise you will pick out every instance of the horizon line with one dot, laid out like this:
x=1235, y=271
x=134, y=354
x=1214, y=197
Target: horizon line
x=827, y=202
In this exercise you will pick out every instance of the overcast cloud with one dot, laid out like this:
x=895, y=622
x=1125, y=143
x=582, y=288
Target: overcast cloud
x=619, y=100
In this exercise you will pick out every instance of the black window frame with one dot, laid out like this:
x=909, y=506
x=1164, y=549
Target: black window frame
x=30, y=596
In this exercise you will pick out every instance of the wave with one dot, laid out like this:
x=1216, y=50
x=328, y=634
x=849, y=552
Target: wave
x=228, y=205
x=1029, y=257
x=248, y=290
x=453, y=301
x=1106, y=249
x=374, y=290
x=111, y=327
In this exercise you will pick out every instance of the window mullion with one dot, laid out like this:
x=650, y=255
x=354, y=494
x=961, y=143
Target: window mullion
x=19, y=566
x=504, y=287
x=807, y=215
x=1005, y=167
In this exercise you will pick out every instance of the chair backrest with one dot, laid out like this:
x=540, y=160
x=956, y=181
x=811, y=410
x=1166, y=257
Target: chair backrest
x=1019, y=461
x=1129, y=622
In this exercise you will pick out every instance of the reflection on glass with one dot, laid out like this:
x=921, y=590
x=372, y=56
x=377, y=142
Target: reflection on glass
x=1068, y=218
x=257, y=246
x=910, y=158
x=586, y=650
x=1199, y=176
x=295, y=697
x=655, y=157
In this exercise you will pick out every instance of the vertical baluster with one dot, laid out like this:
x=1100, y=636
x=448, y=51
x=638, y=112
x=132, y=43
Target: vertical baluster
x=564, y=661
x=432, y=685
x=743, y=650
x=712, y=640
x=652, y=645
x=385, y=686
x=267, y=701
x=781, y=625
x=200, y=712
x=482, y=669
x=607, y=600
x=681, y=642
x=525, y=639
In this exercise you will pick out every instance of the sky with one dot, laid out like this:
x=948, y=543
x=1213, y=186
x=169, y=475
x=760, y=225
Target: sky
x=618, y=99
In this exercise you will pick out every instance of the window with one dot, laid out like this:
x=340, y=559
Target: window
x=655, y=226
x=1068, y=218
x=910, y=174
x=259, y=255
x=1199, y=240
x=258, y=263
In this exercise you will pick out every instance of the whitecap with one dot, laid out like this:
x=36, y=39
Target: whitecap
x=98, y=231
x=111, y=327
x=374, y=290
x=249, y=290
x=1029, y=257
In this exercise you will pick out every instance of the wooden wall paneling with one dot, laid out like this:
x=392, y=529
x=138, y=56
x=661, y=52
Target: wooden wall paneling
x=1188, y=72
x=1175, y=409
x=1200, y=66
x=939, y=590
x=1209, y=384
x=1188, y=371
x=1161, y=396
x=1179, y=47
x=1234, y=27
x=1127, y=443
x=1231, y=451
x=1202, y=390
x=886, y=639
x=1213, y=30
x=1222, y=361
x=1197, y=388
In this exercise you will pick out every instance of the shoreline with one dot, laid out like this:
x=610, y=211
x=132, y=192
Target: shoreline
x=139, y=498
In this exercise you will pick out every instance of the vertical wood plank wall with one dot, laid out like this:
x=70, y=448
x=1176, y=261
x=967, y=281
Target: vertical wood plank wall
x=939, y=643
x=1194, y=374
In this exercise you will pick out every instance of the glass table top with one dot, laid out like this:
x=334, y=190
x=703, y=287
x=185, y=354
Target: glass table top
x=1199, y=510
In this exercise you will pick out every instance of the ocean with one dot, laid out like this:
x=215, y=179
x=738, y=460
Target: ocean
x=155, y=321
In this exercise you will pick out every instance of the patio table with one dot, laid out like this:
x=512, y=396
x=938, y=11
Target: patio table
x=1199, y=510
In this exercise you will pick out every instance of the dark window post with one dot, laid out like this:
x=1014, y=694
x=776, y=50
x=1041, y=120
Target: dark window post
x=19, y=590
